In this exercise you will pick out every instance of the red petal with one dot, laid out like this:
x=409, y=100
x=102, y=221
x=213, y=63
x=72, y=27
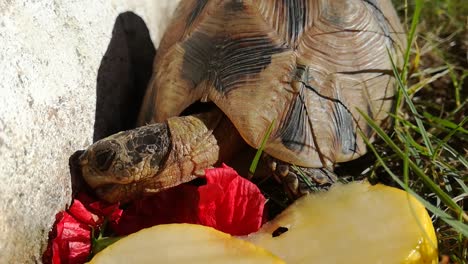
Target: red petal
x=227, y=202
x=175, y=205
x=73, y=241
x=85, y=199
x=55, y=253
x=82, y=214
x=71, y=236
x=78, y=252
x=230, y=203
x=100, y=208
x=110, y=211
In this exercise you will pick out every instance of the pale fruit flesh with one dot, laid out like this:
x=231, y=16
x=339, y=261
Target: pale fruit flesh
x=353, y=223
x=183, y=243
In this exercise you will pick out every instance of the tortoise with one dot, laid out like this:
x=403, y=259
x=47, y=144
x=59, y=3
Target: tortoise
x=303, y=67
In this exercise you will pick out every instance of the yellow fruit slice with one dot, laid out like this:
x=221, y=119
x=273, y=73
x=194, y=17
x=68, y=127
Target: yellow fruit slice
x=183, y=243
x=353, y=223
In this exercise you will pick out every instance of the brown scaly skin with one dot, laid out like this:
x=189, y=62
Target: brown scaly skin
x=152, y=158
x=298, y=181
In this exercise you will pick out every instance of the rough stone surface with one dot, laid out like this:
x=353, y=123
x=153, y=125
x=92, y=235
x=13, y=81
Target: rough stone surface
x=67, y=71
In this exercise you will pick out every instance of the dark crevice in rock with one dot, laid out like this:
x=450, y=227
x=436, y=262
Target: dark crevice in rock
x=77, y=182
x=123, y=75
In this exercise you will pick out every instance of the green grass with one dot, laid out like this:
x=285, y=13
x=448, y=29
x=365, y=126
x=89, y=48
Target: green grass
x=426, y=150
x=254, y=164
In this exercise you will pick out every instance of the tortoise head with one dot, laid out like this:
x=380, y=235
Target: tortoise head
x=152, y=158
x=117, y=166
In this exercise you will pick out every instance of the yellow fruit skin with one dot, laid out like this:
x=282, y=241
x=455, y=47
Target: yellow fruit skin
x=183, y=243
x=353, y=223
x=426, y=251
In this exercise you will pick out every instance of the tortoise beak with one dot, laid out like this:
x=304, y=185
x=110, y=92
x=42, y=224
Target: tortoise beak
x=95, y=168
x=83, y=159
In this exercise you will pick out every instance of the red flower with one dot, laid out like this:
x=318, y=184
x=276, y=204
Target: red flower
x=230, y=203
x=110, y=212
x=71, y=236
x=226, y=202
x=82, y=214
x=72, y=243
x=175, y=205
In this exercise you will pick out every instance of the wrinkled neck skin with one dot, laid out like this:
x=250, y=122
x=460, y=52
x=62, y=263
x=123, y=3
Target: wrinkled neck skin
x=155, y=157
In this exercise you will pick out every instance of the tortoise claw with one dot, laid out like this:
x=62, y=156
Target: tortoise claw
x=299, y=181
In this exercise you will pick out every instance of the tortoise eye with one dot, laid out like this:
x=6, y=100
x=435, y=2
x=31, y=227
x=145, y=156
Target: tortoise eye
x=104, y=159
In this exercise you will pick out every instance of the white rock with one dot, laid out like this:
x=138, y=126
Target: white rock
x=50, y=53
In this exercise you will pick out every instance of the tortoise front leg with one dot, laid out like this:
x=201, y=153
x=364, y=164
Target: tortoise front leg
x=299, y=181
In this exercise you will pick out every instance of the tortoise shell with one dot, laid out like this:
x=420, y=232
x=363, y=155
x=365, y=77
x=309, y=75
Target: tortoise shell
x=308, y=65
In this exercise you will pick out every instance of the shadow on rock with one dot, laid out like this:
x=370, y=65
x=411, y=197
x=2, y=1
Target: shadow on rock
x=78, y=184
x=123, y=76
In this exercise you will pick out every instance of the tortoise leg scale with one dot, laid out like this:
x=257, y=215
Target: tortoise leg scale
x=299, y=181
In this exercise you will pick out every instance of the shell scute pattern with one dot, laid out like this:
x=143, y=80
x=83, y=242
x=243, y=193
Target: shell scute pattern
x=308, y=64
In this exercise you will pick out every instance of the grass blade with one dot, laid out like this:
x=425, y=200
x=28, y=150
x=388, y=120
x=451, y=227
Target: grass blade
x=438, y=141
x=447, y=123
x=254, y=164
x=427, y=181
x=456, y=224
x=305, y=178
x=402, y=88
x=412, y=31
